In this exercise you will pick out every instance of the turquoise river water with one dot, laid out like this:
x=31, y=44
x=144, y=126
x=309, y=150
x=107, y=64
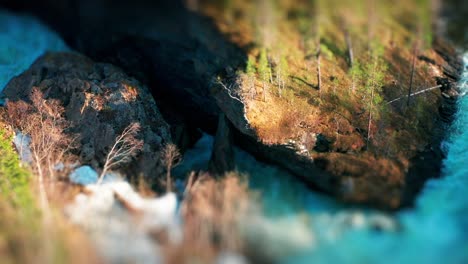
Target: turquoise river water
x=434, y=231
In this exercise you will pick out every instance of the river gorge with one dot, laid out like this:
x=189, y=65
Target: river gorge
x=298, y=224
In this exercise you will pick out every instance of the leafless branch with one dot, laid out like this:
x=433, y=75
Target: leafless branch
x=171, y=158
x=43, y=122
x=415, y=93
x=126, y=146
x=228, y=90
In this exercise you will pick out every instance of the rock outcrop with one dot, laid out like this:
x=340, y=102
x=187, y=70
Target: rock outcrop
x=450, y=96
x=222, y=158
x=171, y=49
x=100, y=100
x=178, y=54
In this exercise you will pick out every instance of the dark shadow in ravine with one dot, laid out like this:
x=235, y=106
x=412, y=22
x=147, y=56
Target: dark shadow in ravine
x=177, y=54
x=174, y=51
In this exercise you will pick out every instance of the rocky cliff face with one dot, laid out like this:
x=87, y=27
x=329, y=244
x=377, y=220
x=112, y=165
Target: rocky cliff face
x=179, y=54
x=100, y=100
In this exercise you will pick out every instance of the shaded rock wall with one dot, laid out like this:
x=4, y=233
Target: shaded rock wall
x=101, y=101
x=222, y=157
x=177, y=54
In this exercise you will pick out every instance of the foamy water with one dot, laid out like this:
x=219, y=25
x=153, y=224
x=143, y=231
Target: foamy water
x=434, y=231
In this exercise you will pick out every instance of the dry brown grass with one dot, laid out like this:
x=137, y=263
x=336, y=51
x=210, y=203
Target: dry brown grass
x=213, y=212
x=277, y=119
x=129, y=93
x=28, y=239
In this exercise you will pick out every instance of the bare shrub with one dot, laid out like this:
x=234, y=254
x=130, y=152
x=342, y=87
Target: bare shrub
x=43, y=122
x=171, y=158
x=17, y=113
x=213, y=212
x=126, y=147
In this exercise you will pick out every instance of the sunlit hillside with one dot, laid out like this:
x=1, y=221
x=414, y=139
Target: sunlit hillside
x=233, y=131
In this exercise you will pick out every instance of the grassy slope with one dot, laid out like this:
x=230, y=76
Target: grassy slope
x=23, y=236
x=289, y=30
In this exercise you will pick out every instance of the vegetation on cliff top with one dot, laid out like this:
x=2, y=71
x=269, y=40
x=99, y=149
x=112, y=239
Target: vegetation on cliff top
x=330, y=68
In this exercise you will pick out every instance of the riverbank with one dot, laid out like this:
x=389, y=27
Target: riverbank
x=257, y=212
x=344, y=138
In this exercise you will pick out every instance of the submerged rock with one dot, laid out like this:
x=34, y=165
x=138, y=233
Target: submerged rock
x=84, y=175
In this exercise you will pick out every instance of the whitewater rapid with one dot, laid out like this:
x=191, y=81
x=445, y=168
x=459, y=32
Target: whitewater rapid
x=434, y=231
x=118, y=236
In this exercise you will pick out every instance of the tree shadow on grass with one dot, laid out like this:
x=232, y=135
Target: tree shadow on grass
x=305, y=82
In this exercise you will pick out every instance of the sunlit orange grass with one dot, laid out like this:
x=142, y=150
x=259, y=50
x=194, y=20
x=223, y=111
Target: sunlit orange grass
x=129, y=92
x=278, y=120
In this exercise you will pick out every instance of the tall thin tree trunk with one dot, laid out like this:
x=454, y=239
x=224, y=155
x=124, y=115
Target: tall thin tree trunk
x=279, y=78
x=353, y=83
x=319, y=72
x=271, y=73
x=104, y=170
x=42, y=192
x=371, y=23
x=415, y=51
x=50, y=165
x=168, y=176
x=371, y=105
x=316, y=14
x=349, y=47
x=369, y=124
x=253, y=91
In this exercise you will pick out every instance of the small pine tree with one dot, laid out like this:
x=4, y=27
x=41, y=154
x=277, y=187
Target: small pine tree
x=264, y=70
x=263, y=66
x=326, y=52
x=282, y=73
x=284, y=66
x=424, y=20
x=251, y=71
x=250, y=68
x=374, y=75
x=357, y=75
